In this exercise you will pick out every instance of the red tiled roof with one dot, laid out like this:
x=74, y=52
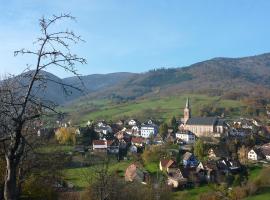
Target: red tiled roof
x=137, y=140
x=99, y=142
x=166, y=162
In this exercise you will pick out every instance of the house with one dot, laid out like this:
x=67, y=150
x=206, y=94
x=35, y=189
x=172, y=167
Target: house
x=200, y=167
x=104, y=129
x=133, y=149
x=265, y=149
x=113, y=146
x=176, y=179
x=138, y=141
x=234, y=165
x=211, y=171
x=167, y=165
x=135, y=129
x=217, y=153
x=148, y=130
x=255, y=154
x=189, y=160
x=228, y=165
x=201, y=172
x=120, y=135
x=239, y=132
x=100, y=145
x=245, y=123
x=186, y=136
x=120, y=123
x=45, y=132
x=150, y=122
x=105, y=146
x=101, y=123
x=134, y=173
x=202, y=126
x=132, y=122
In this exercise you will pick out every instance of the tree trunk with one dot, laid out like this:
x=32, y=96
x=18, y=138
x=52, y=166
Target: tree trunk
x=10, y=190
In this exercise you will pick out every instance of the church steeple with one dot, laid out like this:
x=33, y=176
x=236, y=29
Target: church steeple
x=187, y=111
x=187, y=103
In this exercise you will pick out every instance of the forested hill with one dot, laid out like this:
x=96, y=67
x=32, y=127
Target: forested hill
x=219, y=76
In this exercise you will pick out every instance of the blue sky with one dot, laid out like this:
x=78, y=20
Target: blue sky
x=138, y=35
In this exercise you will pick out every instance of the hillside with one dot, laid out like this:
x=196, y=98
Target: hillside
x=59, y=91
x=247, y=76
x=162, y=108
x=218, y=76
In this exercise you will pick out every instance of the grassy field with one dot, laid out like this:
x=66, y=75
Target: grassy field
x=264, y=196
x=192, y=194
x=161, y=108
x=56, y=148
x=81, y=176
x=254, y=171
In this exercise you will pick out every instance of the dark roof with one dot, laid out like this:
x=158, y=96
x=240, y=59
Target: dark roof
x=149, y=126
x=258, y=151
x=220, y=122
x=202, y=121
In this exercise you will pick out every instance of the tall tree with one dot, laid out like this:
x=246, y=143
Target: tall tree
x=174, y=124
x=163, y=130
x=199, y=149
x=20, y=106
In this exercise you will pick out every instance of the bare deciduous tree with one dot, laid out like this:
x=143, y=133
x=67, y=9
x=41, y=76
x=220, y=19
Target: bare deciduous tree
x=21, y=106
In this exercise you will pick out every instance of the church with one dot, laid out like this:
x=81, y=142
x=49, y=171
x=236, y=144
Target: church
x=202, y=126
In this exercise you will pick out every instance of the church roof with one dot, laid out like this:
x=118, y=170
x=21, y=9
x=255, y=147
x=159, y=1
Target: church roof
x=202, y=121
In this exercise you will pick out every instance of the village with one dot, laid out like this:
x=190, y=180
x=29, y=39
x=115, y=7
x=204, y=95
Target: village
x=187, y=153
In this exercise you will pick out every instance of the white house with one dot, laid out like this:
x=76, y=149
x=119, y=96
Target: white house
x=135, y=128
x=186, y=136
x=132, y=122
x=105, y=145
x=147, y=130
x=133, y=149
x=254, y=154
x=100, y=124
x=99, y=145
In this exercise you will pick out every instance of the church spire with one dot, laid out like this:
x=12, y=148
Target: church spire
x=187, y=112
x=187, y=103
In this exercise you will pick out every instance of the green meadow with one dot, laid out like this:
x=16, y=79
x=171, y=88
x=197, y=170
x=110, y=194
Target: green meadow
x=162, y=108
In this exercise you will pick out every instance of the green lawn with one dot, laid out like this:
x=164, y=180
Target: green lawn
x=265, y=196
x=81, y=176
x=55, y=148
x=191, y=194
x=254, y=171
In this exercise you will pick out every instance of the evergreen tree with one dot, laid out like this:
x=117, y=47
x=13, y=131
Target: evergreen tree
x=199, y=149
x=163, y=130
x=174, y=124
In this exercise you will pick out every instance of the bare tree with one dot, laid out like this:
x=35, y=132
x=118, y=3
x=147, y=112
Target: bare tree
x=20, y=105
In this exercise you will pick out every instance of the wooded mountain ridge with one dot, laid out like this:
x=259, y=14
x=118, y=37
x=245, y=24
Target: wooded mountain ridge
x=231, y=77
